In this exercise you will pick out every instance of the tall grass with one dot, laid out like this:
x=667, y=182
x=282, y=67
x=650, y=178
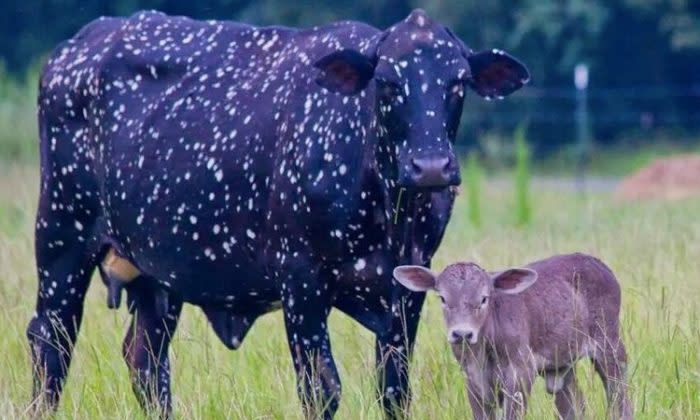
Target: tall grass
x=523, y=208
x=473, y=181
x=652, y=247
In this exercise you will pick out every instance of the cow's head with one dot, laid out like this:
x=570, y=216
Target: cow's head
x=420, y=72
x=466, y=291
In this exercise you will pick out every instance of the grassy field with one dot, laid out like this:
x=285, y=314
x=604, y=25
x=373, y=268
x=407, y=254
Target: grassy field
x=653, y=247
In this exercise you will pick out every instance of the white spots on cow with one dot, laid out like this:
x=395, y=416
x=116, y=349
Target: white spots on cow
x=219, y=175
x=235, y=342
x=78, y=225
x=193, y=219
x=360, y=264
x=342, y=169
x=216, y=229
x=139, y=219
x=209, y=253
x=153, y=71
x=250, y=233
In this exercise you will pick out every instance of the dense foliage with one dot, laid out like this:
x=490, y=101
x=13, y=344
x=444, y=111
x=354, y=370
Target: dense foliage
x=643, y=54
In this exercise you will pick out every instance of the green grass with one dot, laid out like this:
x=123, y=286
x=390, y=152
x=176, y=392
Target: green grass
x=523, y=208
x=653, y=247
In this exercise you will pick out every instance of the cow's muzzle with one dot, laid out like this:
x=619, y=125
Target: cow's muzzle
x=434, y=171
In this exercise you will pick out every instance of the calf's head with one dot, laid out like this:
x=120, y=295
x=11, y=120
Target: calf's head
x=466, y=291
x=418, y=72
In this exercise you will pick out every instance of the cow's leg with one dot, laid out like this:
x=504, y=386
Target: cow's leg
x=610, y=362
x=66, y=255
x=393, y=351
x=306, y=307
x=146, y=345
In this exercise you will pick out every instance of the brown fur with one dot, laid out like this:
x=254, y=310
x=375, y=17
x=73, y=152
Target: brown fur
x=504, y=340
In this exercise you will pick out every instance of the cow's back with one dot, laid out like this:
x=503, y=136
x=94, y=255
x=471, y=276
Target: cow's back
x=178, y=126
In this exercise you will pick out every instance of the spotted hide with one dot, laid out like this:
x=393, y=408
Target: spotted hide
x=243, y=169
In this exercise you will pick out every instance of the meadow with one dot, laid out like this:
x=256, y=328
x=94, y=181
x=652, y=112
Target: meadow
x=654, y=248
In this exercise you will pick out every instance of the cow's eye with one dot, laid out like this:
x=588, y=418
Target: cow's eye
x=391, y=91
x=484, y=300
x=442, y=299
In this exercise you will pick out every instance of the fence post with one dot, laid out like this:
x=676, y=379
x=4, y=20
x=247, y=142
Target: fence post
x=582, y=124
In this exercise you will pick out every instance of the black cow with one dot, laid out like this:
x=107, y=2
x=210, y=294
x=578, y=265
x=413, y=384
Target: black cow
x=243, y=169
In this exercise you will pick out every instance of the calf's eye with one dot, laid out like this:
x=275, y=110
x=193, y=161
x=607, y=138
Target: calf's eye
x=483, y=300
x=442, y=299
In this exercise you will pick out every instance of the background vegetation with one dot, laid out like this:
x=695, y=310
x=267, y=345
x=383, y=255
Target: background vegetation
x=643, y=56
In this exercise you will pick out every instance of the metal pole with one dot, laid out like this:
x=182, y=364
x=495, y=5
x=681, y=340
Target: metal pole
x=582, y=125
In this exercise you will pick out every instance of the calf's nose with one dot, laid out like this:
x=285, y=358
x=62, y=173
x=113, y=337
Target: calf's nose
x=433, y=171
x=456, y=335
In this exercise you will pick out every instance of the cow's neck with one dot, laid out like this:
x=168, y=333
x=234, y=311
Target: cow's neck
x=399, y=208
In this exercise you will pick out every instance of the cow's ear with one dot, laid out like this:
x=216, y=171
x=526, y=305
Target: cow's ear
x=495, y=74
x=415, y=277
x=513, y=280
x=345, y=71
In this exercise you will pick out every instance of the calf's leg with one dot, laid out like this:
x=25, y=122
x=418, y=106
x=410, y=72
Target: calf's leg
x=569, y=399
x=146, y=346
x=306, y=306
x=610, y=362
x=482, y=401
x=516, y=383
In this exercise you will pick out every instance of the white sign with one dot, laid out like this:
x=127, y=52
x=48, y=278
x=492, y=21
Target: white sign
x=581, y=76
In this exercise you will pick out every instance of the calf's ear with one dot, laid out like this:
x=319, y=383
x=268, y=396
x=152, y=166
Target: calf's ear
x=415, y=277
x=513, y=280
x=495, y=74
x=345, y=71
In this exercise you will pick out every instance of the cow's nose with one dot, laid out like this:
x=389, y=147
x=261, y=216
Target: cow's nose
x=431, y=171
x=456, y=335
